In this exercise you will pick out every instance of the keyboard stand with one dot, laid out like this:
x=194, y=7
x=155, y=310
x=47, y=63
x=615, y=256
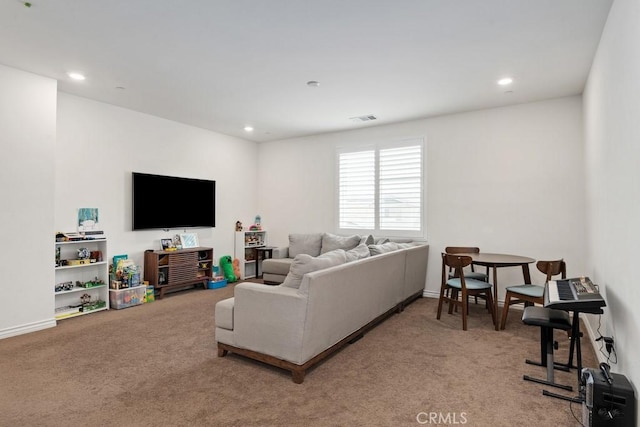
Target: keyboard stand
x=543, y=356
x=547, y=320
x=575, y=337
x=565, y=367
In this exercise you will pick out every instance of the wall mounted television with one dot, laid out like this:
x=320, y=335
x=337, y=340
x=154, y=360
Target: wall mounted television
x=163, y=202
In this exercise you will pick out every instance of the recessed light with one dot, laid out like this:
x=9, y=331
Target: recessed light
x=313, y=83
x=76, y=76
x=505, y=81
x=248, y=128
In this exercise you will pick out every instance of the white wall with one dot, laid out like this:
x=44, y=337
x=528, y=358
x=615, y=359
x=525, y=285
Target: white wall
x=98, y=147
x=509, y=180
x=27, y=138
x=63, y=152
x=612, y=135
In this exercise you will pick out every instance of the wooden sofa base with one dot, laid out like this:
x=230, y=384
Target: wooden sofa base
x=408, y=301
x=298, y=372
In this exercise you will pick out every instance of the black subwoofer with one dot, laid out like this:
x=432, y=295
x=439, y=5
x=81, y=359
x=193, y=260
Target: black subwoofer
x=607, y=403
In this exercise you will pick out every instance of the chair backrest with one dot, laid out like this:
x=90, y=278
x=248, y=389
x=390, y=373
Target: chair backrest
x=461, y=250
x=553, y=268
x=456, y=263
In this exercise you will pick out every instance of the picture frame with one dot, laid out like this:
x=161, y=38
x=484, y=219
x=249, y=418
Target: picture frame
x=189, y=240
x=88, y=220
x=166, y=244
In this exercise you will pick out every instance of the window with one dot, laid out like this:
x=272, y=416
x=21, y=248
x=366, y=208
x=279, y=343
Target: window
x=380, y=189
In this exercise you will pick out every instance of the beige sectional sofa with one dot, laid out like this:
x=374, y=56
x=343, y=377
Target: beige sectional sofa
x=275, y=269
x=324, y=303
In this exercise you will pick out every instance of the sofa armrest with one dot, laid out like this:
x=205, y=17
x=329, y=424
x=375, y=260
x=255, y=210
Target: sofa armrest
x=282, y=252
x=270, y=319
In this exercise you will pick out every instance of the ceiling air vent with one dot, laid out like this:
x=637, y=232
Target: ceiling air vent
x=366, y=118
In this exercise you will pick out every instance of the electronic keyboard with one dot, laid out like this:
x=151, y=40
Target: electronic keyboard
x=577, y=294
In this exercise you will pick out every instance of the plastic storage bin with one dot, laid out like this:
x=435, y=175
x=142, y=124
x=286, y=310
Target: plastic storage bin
x=217, y=284
x=124, y=298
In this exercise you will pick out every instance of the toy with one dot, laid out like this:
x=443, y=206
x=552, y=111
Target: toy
x=226, y=264
x=256, y=226
x=236, y=267
x=238, y=226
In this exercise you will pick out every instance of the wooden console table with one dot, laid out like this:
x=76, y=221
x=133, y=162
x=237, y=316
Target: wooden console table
x=177, y=269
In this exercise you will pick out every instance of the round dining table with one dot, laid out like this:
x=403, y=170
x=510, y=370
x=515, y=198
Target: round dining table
x=495, y=261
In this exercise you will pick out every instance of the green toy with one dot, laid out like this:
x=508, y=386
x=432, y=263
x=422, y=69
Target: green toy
x=226, y=263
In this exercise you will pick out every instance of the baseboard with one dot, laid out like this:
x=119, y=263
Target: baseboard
x=27, y=328
x=431, y=294
x=591, y=334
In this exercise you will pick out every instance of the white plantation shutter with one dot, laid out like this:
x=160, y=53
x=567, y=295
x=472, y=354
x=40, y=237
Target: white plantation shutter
x=401, y=188
x=381, y=189
x=357, y=187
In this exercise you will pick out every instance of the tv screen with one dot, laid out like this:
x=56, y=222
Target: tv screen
x=172, y=202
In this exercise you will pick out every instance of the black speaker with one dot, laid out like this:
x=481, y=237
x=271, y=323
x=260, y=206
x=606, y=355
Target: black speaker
x=607, y=403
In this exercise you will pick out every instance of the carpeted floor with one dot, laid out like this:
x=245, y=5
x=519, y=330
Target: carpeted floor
x=156, y=365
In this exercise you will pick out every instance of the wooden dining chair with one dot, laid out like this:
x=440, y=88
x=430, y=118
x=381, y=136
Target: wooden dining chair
x=532, y=294
x=472, y=274
x=452, y=288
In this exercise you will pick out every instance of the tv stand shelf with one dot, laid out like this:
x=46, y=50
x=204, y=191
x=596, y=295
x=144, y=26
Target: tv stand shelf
x=167, y=270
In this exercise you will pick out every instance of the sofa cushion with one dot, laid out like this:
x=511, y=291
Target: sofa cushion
x=303, y=264
x=331, y=242
x=308, y=244
x=276, y=266
x=224, y=313
x=383, y=248
x=359, y=252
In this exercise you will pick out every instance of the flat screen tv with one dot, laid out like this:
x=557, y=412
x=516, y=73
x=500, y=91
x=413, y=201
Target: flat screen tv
x=163, y=202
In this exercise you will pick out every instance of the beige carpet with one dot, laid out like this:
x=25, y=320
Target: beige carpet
x=156, y=365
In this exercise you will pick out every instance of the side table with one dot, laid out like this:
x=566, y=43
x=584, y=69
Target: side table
x=264, y=252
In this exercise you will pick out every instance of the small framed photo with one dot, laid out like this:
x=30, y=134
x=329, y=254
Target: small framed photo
x=189, y=240
x=166, y=244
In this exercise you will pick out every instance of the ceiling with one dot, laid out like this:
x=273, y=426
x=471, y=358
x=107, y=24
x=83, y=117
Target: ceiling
x=225, y=64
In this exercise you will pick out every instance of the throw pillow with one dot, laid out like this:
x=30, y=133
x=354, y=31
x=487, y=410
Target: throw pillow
x=303, y=264
x=407, y=245
x=367, y=240
x=402, y=240
x=383, y=248
x=359, y=252
x=308, y=244
x=331, y=242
